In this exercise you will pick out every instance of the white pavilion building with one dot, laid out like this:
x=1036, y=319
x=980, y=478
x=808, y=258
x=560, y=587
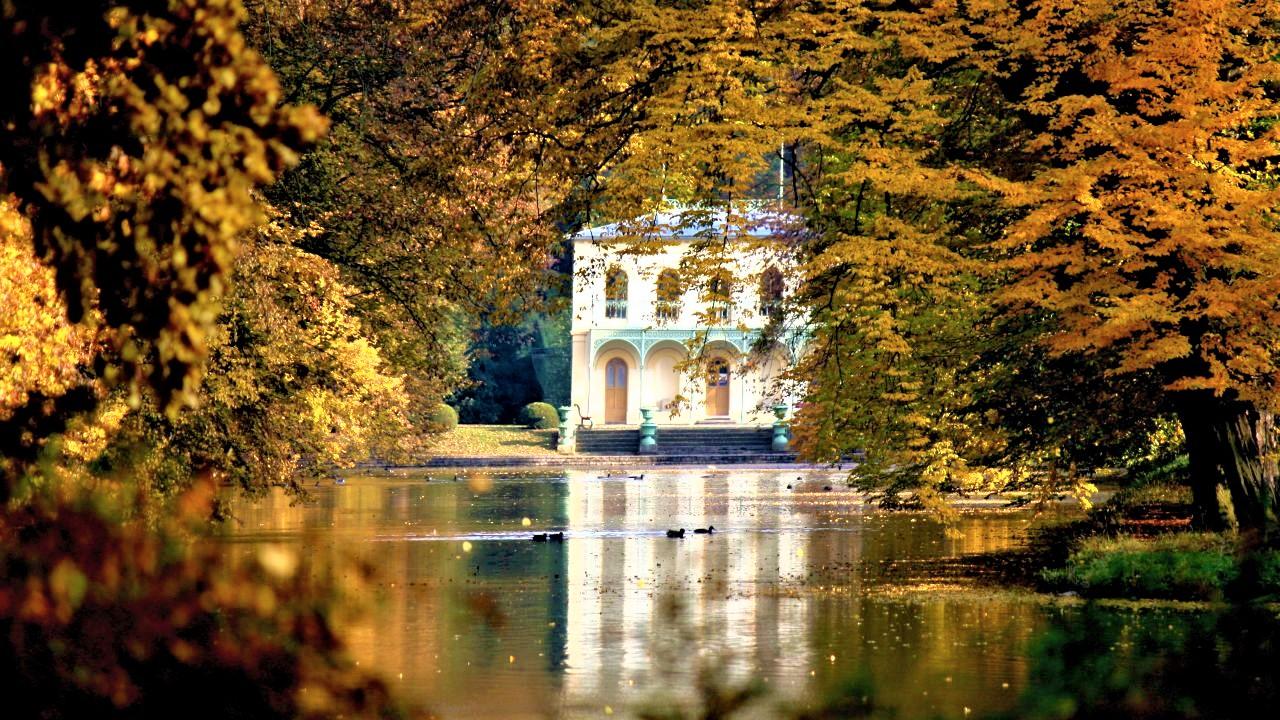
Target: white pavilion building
x=635, y=319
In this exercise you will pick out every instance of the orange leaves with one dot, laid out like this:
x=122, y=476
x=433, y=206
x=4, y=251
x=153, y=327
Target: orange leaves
x=1152, y=228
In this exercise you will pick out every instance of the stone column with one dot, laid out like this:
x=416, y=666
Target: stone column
x=640, y=386
x=581, y=370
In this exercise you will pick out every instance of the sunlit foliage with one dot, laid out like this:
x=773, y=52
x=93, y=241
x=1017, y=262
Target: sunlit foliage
x=133, y=150
x=1146, y=233
x=293, y=390
x=41, y=353
x=438, y=192
x=132, y=137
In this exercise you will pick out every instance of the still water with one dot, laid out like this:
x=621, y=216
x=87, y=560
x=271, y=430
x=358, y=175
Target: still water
x=804, y=589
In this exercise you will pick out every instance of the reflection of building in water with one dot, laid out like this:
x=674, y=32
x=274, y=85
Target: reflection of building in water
x=516, y=629
x=620, y=577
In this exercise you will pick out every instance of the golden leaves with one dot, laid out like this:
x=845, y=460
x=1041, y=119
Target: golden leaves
x=177, y=147
x=40, y=352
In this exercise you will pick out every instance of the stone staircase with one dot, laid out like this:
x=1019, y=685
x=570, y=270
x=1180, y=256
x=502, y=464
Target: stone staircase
x=688, y=444
x=617, y=440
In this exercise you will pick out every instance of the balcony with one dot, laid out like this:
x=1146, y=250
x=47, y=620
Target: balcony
x=615, y=309
x=666, y=311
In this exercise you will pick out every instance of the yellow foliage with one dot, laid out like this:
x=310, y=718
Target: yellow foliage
x=41, y=353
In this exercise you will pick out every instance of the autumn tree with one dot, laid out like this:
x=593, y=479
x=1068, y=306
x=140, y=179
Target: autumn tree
x=910, y=359
x=133, y=151
x=293, y=390
x=132, y=138
x=1061, y=229
x=434, y=195
x=922, y=140
x=1145, y=236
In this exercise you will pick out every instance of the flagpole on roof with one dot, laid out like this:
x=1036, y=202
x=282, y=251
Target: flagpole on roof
x=782, y=157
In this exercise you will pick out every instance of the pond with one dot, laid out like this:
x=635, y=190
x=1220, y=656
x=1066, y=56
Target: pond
x=806, y=590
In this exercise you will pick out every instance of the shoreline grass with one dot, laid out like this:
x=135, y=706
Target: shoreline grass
x=1141, y=545
x=1195, y=566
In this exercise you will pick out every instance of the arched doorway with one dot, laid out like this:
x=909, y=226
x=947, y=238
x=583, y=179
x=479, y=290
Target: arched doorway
x=615, y=391
x=718, y=388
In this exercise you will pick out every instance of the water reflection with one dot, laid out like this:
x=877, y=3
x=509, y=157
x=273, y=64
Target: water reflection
x=1154, y=662
x=503, y=628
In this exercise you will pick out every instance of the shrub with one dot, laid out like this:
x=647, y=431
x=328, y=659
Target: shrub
x=1180, y=566
x=540, y=416
x=100, y=618
x=443, y=418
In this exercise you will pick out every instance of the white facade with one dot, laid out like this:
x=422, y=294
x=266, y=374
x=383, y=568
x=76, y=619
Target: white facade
x=631, y=343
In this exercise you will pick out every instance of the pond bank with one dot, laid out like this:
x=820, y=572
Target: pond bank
x=1141, y=546
x=513, y=446
x=592, y=461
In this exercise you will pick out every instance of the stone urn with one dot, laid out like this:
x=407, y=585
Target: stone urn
x=781, y=433
x=648, y=429
x=565, y=442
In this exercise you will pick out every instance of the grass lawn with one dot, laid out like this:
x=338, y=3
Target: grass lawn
x=493, y=441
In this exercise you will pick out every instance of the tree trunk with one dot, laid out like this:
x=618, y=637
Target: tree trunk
x=1234, y=444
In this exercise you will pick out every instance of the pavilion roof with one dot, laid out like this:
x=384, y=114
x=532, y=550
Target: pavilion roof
x=690, y=222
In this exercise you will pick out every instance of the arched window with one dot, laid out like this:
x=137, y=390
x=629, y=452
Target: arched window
x=771, y=288
x=720, y=297
x=615, y=293
x=669, y=292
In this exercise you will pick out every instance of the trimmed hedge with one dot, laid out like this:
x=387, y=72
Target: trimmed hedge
x=540, y=416
x=443, y=418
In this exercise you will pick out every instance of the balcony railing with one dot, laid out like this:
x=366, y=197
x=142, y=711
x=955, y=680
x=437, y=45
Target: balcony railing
x=719, y=313
x=666, y=310
x=615, y=309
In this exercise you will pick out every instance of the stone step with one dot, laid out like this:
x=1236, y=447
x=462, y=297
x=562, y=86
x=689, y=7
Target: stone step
x=714, y=430
x=730, y=443
x=725, y=439
x=718, y=439
x=682, y=437
x=736, y=447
